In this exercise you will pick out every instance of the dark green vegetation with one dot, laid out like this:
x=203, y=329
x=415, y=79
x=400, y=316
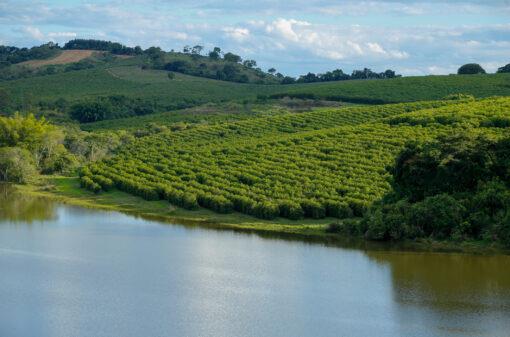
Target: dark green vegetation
x=12, y=55
x=328, y=162
x=505, y=69
x=471, y=69
x=457, y=187
x=339, y=75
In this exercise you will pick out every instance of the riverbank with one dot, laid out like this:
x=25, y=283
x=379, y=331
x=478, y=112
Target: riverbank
x=67, y=190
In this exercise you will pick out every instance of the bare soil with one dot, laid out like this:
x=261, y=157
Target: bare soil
x=67, y=56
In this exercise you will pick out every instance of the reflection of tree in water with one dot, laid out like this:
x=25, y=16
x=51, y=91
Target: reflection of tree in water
x=17, y=207
x=449, y=281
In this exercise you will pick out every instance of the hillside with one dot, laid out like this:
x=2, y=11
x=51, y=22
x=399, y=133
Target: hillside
x=403, y=89
x=327, y=162
x=127, y=80
x=125, y=77
x=64, y=57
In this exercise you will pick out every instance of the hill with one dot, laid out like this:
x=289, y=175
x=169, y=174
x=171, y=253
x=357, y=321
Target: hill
x=402, y=89
x=327, y=162
x=126, y=77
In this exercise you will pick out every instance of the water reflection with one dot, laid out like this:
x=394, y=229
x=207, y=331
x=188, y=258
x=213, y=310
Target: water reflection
x=16, y=207
x=464, y=294
x=94, y=273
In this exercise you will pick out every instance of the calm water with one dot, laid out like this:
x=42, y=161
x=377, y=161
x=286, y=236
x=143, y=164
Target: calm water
x=68, y=271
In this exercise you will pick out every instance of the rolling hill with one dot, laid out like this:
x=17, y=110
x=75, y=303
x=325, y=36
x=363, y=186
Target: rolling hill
x=327, y=162
x=126, y=77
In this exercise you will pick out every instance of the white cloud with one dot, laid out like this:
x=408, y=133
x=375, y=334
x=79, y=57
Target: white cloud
x=330, y=41
x=34, y=33
x=294, y=36
x=237, y=33
x=62, y=34
x=287, y=29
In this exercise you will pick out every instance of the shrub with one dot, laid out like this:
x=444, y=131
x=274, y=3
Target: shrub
x=290, y=210
x=313, y=209
x=266, y=210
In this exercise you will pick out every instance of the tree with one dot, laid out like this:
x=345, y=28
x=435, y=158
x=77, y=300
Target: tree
x=180, y=66
x=186, y=49
x=389, y=73
x=4, y=100
x=288, y=80
x=230, y=57
x=271, y=70
x=16, y=165
x=196, y=50
x=471, y=69
x=215, y=53
x=250, y=63
x=505, y=69
x=86, y=112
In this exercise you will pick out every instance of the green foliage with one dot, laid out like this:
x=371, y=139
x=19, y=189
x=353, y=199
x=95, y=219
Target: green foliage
x=86, y=112
x=454, y=188
x=111, y=107
x=471, y=69
x=113, y=47
x=504, y=69
x=11, y=55
x=16, y=165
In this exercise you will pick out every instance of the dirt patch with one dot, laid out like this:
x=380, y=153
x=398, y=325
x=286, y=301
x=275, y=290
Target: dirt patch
x=67, y=56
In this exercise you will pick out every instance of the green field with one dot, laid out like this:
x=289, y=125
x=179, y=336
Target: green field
x=125, y=77
x=406, y=89
x=327, y=162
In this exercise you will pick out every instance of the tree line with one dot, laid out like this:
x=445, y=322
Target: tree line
x=12, y=55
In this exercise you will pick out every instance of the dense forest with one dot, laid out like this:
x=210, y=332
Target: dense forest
x=456, y=187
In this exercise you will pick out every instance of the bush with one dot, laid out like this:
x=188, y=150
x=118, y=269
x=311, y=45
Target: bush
x=313, y=209
x=89, y=184
x=290, y=210
x=189, y=201
x=266, y=210
x=86, y=112
x=16, y=165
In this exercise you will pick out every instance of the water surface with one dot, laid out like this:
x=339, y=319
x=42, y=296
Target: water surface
x=69, y=271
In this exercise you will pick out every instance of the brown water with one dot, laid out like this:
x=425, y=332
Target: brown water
x=69, y=271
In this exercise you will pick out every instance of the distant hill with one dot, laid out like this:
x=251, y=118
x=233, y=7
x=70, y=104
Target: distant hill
x=137, y=81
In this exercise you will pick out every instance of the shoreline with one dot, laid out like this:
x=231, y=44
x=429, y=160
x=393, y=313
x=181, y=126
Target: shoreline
x=66, y=190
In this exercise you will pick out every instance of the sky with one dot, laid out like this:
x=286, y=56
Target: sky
x=295, y=36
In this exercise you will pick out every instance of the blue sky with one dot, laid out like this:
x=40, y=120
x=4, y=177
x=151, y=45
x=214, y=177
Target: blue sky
x=294, y=36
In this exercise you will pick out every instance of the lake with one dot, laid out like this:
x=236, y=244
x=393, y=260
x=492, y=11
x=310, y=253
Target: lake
x=70, y=271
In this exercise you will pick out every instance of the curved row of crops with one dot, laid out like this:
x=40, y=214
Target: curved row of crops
x=328, y=162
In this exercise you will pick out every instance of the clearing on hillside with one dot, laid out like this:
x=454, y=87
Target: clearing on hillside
x=67, y=56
